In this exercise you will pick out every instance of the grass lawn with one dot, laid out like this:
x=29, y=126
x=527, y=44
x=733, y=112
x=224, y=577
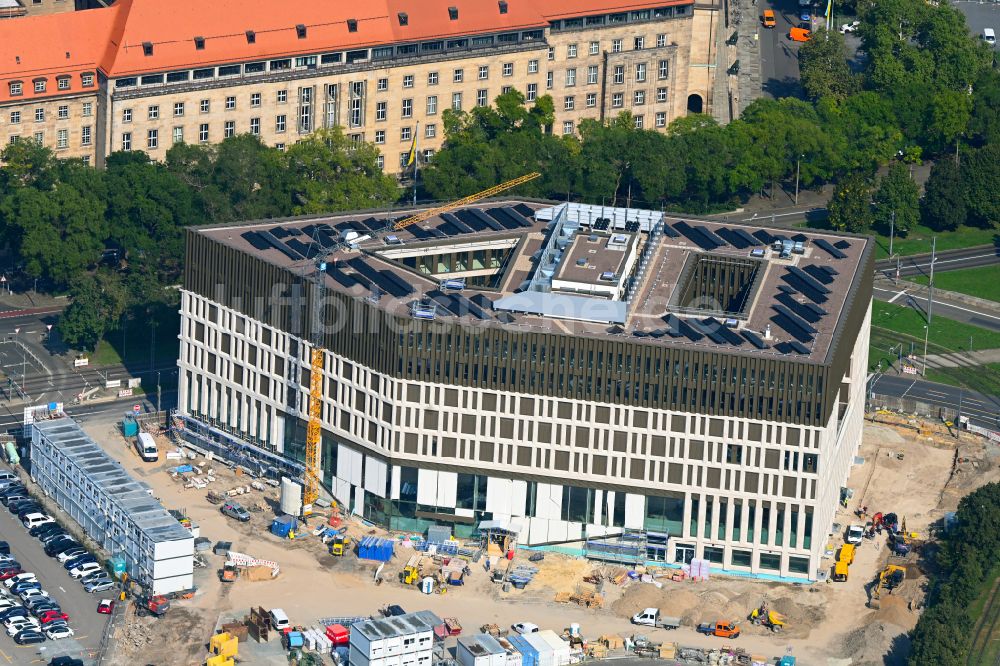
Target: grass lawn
x=982, y=378
x=918, y=240
x=135, y=350
x=984, y=639
x=982, y=282
x=945, y=333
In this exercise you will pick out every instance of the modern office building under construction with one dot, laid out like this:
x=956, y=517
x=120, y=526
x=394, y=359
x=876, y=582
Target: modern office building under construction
x=578, y=370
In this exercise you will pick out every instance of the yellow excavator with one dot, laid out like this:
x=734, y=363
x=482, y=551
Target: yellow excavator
x=340, y=545
x=767, y=618
x=887, y=580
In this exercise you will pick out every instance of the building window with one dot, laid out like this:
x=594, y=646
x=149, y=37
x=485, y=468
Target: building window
x=549, y=78
x=14, y=139
x=126, y=140
x=616, y=46
x=552, y=53
x=568, y=127
x=85, y=135
x=62, y=138
x=595, y=48
x=229, y=129
x=661, y=41
x=381, y=110
x=205, y=105
x=661, y=94
x=153, y=112
x=405, y=133
x=591, y=100
x=458, y=76
x=178, y=109
x=532, y=67
x=432, y=105
x=39, y=115
x=126, y=115
x=282, y=96
x=63, y=84
x=15, y=117
x=379, y=136
x=178, y=135
x=408, y=81
x=619, y=74
x=152, y=139
x=592, y=74
x=15, y=88
x=254, y=99
x=532, y=92
x=380, y=161
x=508, y=69
x=569, y=103
x=640, y=72
x=661, y=119
x=571, y=76
x=87, y=109
x=430, y=131
x=617, y=100
x=404, y=160
x=279, y=123
x=639, y=97
x=255, y=126
x=203, y=133
x=63, y=112
x=40, y=86
x=87, y=80
x=230, y=103
x=571, y=51
x=664, y=69
x=280, y=147
x=481, y=98
x=484, y=72
x=456, y=101
x=39, y=138
x=638, y=122
x=407, y=108
x=639, y=43
x=382, y=85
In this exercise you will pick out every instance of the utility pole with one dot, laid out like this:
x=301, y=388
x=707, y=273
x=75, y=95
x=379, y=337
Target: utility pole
x=798, y=161
x=157, y=393
x=892, y=232
x=927, y=332
x=930, y=300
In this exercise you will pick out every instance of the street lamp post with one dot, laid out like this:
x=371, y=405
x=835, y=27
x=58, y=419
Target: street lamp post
x=930, y=298
x=798, y=162
x=157, y=393
x=892, y=232
x=927, y=332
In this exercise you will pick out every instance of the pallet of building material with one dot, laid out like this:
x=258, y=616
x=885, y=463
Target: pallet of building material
x=215, y=498
x=257, y=573
x=588, y=599
x=563, y=597
x=493, y=630
x=612, y=641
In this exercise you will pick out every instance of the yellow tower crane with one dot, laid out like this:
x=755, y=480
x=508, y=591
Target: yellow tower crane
x=313, y=471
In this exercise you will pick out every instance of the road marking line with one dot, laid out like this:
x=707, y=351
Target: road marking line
x=937, y=393
x=898, y=294
x=62, y=590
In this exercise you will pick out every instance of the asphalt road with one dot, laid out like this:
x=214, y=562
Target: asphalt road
x=80, y=606
x=779, y=56
x=979, y=15
x=948, y=260
x=982, y=410
x=942, y=308
x=13, y=417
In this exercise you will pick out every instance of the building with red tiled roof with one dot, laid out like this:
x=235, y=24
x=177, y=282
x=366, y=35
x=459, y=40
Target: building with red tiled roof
x=145, y=74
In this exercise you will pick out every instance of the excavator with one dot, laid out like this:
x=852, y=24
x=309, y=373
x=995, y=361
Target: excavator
x=888, y=579
x=340, y=545
x=767, y=618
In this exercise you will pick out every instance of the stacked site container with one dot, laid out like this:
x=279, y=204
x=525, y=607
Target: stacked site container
x=403, y=640
x=480, y=650
x=560, y=648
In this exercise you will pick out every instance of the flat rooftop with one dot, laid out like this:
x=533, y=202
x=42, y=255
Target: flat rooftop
x=508, y=251
x=595, y=258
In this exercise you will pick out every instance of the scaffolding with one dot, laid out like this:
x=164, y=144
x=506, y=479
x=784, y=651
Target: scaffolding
x=628, y=547
x=206, y=439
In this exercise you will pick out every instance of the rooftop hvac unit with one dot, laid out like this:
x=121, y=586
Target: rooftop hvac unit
x=424, y=311
x=457, y=284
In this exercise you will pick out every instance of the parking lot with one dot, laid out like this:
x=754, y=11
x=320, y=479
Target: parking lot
x=81, y=607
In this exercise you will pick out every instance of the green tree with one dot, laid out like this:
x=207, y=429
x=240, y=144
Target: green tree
x=981, y=177
x=943, y=207
x=950, y=115
x=823, y=66
x=98, y=303
x=897, y=197
x=850, y=207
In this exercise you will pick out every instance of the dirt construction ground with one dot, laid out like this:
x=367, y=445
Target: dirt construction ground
x=828, y=624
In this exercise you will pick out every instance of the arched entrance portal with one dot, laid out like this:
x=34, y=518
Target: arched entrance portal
x=695, y=105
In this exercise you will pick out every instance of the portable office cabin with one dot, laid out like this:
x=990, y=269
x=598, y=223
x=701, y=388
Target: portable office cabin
x=560, y=648
x=543, y=651
x=513, y=656
x=480, y=650
x=529, y=655
x=403, y=640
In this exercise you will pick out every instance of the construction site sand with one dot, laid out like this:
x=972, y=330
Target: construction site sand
x=562, y=573
x=875, y=644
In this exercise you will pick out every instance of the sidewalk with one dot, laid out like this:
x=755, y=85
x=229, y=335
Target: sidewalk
x=961, y=359
x=25, y=300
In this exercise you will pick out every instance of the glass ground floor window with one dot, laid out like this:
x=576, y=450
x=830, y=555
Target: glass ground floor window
x=798, y=565
x=770, y=561
x=714, y=554
x=742, y=558
x=665, y=514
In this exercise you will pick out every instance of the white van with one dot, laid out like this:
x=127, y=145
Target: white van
x=989, y=36
x=279, y=620
x=146, y=446
x=35, y=519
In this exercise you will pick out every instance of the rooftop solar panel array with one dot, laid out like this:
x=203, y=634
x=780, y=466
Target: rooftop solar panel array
x=808, y=280
x=753, y=339
x=669, y=231
x=385, y=280
x=794, y=324
x=273, y=241
x=825, y=245
x=602, y=224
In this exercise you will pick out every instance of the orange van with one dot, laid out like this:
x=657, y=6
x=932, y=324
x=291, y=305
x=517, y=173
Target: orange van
x=768, y=18
x=799, y=34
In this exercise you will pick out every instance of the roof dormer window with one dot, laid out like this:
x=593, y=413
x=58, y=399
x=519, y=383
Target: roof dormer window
x=300, y=31
x=251, y=37
x=352, y=25
x=503, y=6
x=453, y=13
x=199, y=43
x=403, y=18
x=147, y=48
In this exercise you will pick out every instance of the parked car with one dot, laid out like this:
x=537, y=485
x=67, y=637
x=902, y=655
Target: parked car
x=13, y=612
x=70, y=553
x=236, y=510
x=105, y=606
x=24, y=586
x=29, y=638
x=55, y=633
x=17, y=625
x=849, y=27
x=44, y=529
x=32, y=593
x=40, y=605
x=50, y=616
x=58, y=545
x=7, y=603
x=33, y=520
x=9, y=568
x=49, y=537
x=6, y=474
x=768, y=18
x=98, y=585
x=525, y=628
x=855, y=533
x=11, y=582
x=78, y=560
x=23, y=508
x=84, y=569
x=4, y=548
x=15, y=496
